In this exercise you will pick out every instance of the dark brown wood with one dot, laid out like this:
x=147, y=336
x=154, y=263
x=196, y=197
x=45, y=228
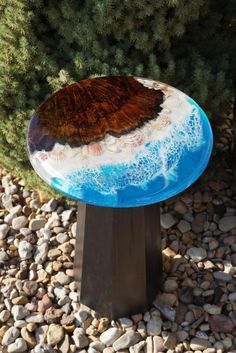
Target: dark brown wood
x=88, y=110
x=234, y=139
x=118, y=262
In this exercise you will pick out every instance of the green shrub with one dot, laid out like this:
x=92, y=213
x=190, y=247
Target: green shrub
x=45, y=45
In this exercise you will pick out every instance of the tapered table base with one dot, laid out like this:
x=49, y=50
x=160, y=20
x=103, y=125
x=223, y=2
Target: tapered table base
x=118, y=262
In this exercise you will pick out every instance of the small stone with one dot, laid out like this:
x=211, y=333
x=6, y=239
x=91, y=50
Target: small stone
x=58, y=230
x=198, y=223
x=196, y=254
x=180, y=207
x=91, y=331
x=53, y=315
x=125, y=322
x=221, y=276
x=137, y=317
x=232, y=297
x=200, y=334
x=138, y=347
x=221, y=323
x=81, y=316
x=150, y=345
x=54, y=253
x=60, y=292
x=73, y=229
x=28, y=337
x=16, y=210
x=36, y=224
x=19, y=222
x=227, y=343
x=64, y=346
x=81, y=341
x=227, y=223
x=103, y=324
x=41, y=333
x=108, y=350
x=92, y=350
x=55, y=334
x=41, y=252
x=182, y=335
x=35, y=317
x=158, y=344
x=199, y=344
x=110, y=336
x=42, y=276
x=4, y=229
x=141, y=329
x=30, y=287
x=44, y=348
x=167, y=220
x=154, y=326
x=184, y=226
x=180, y=313
x=19, y=312
x=161, y=303
x=170, y=340
x=35, y=204
x=31, y=238
x=3, y=330
x=130, y=338
x=31, y=327
x=170, y=285
x=61, y=238
x=18, y=346
x=4, y=315
x=189, y=317
x=169, y=252
x=44, y=304
x=9, y=218
x=208, y=265
x=26, y=210
x=209, y=350
x=10, y=336
x=67, y=320
x=5, y=180
x=62, y=278
x=45, y=233
x=212, y=309
x=66, y=215
x=25, y=250
x=97, y=345
x=213, y=245
x=3, y=256
x=50, y=206
x=230, y=240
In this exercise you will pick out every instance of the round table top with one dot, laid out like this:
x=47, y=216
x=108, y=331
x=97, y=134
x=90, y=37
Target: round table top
x=119, y=141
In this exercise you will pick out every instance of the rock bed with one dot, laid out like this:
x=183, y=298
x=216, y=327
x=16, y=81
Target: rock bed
x=195, y=312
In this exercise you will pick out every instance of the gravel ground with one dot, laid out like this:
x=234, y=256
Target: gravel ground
x=195, y=312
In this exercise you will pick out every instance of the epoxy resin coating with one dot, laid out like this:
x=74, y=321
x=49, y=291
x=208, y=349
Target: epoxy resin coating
x=119, y=141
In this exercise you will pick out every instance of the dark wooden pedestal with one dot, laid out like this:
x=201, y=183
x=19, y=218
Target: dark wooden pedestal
x=118, y=261
x=234, y=138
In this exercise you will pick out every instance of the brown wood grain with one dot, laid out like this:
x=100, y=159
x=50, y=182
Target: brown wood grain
x=87, y=110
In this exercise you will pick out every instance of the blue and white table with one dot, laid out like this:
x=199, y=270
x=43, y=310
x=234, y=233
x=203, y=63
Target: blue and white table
x=123, y=143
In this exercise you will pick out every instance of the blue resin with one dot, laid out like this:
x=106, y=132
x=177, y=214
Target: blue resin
x=160, y=170
x=114, y=192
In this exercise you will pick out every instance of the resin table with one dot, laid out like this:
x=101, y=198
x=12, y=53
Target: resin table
x=119, y=145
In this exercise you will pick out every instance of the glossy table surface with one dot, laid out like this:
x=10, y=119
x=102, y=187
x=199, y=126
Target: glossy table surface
x=119, y=141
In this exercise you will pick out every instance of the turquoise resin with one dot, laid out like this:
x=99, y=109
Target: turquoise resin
x=147, y=165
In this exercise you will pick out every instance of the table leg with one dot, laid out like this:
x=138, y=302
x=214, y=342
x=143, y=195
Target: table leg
x=118, y=261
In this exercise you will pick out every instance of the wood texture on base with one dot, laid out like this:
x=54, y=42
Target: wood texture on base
x=118, y=261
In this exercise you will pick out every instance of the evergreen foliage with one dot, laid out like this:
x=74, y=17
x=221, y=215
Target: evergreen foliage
x=45, y=45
